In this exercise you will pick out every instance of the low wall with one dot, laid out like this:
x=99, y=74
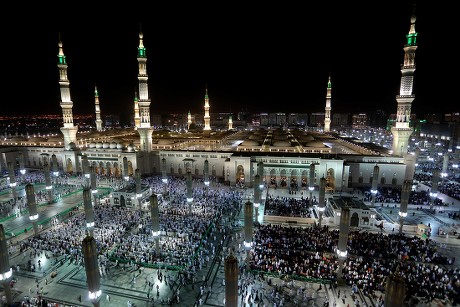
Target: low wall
x=288, y=219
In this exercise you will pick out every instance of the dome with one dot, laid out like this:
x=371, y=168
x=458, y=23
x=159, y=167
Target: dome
x=250, y=143
x=315, y=144
x=306, y=138
x=165, y=142
x=113, y=145
x=92, y=145
x=130, y=147
x=119, y=146
x=106, y=145
x=282, y=144
x=99, y=145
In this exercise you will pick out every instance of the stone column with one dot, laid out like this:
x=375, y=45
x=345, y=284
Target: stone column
x=395, y=290
x=55, y=168
x=92, y=179
x=189, y=193
x=311, y=184
x=343, y=240
x=89, y=213
x=257, y=195
x=231, y=281
x=206, y=172
x=137, y=177
x=5, y=270
x=85, y=166
x=31, y=203
x=49, y=185
x=434, y=187
x=90, y=255
x=248, y=229
x=375, y=179
x=13, y=182
x=321, y=205
x=405, y=192
x=155, y=216
x=445, y=164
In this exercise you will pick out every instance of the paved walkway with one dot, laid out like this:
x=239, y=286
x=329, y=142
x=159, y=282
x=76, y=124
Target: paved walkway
x=123, y=285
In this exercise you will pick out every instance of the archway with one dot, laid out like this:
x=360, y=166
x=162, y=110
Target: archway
x=354, y=221
x=69, y=166
x=283, y=178
x=240, y=175
x=293, y=184
x=304, y=179
x=122, y=201
x=273, y=182
x=330, y=180
x=109, y=169
x=116, y=170
x=130, y=168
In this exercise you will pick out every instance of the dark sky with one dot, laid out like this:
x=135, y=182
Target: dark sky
x=270, y=56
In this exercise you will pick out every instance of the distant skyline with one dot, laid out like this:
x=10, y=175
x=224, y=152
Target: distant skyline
x=255, y=58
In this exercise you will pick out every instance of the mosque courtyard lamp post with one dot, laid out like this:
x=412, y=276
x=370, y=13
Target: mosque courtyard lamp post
x=155, y=216
x=13, y=182
x=92, y=180
x=189, y=192
x=164, y=177
x=49, y=186
x=321, y=207
x=22, y=168
x=33, y=214
x=375, y=177
x=206, y=172
x=5, y=270
x=248, y=230
x=343, y=239
x=90, y=254
x=405, y=192
x=434, y=187
x=125, y=170
x=311, y=185
x=257, y=195
x=137, y=175
x=55, y=168
x=89, y=213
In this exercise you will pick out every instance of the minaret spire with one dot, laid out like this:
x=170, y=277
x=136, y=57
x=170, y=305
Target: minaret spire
x=98, y=110
x=137, y=118
x=401, y=130
x=189, y=120
x=68, y=130
x=327, y=110
x=145, y=130
x=230, y=122
x=207, y=119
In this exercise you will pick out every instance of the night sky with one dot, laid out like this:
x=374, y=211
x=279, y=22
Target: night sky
x=267, y=57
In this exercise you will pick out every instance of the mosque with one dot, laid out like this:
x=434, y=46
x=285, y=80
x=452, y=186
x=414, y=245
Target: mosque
x=282, y=157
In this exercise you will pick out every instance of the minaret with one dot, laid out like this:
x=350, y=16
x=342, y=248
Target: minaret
x=327, y=110
x=145, y=130
x=189, y=120
x=137, y=118
x=207, y=124
x=230, y=123
x=401, y=130
x=98, y=110
x=68, y=130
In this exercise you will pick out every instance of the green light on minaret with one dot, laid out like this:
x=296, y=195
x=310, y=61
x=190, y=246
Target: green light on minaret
x=141, y=52
x=411, y=39
x=61, y=59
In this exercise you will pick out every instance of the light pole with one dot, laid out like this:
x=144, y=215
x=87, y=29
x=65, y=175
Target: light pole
x=375, y=178
x=311, y=184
